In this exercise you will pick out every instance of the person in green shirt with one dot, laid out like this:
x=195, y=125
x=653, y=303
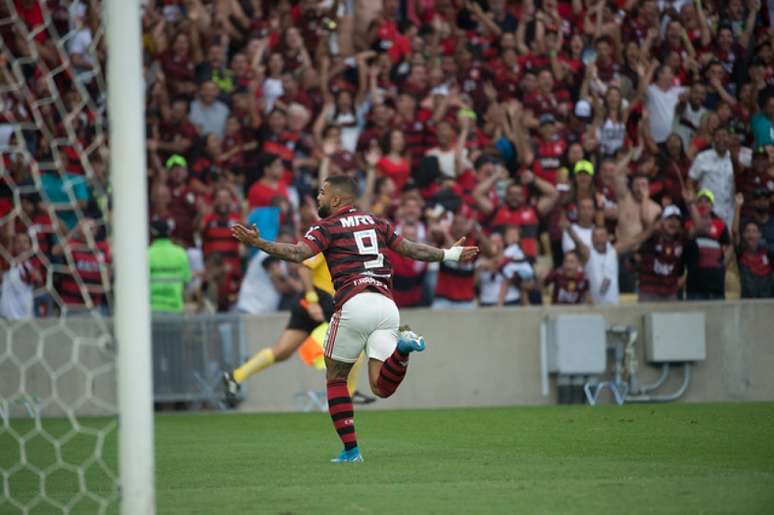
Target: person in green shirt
x=169, y=270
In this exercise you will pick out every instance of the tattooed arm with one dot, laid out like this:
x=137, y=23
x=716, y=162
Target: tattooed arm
x=422, y=252
x=419, y=251
x=250, y=236
x=296, y=253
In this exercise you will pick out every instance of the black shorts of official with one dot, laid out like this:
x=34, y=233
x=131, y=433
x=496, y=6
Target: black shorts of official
x=300, y=319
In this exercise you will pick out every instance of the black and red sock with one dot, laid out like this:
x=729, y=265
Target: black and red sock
x=341, y=411
x=392, y=373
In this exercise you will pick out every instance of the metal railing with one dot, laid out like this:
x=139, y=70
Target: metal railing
x=190, y=352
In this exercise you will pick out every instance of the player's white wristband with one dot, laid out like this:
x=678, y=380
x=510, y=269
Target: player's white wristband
x=452, y=254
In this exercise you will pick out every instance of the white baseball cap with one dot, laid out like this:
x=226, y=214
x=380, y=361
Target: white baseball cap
x=671, y=211
x=583, y=109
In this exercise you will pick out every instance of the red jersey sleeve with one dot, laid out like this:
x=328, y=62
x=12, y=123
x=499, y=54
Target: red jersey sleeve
x=391, y=238
x=317, y=238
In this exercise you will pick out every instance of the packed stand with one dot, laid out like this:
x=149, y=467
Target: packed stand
x=595, y=151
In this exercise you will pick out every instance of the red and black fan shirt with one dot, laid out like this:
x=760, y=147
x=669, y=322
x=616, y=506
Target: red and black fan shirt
x=216, y=237
x=408, y=279
x=757, y=263
x=568, y=288
x=661, y=266
x=704, y=258
x=86, y=269
x=528, y=222
x=456, y=279
x=548, y=158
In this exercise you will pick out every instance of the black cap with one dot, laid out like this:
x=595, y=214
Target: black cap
x=161, y=228
x=546, y=118
x=484, y=159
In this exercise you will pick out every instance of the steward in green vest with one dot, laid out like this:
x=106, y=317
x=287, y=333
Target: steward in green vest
x=169, y=270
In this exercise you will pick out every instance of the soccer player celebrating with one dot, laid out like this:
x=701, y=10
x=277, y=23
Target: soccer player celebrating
x=365, y=317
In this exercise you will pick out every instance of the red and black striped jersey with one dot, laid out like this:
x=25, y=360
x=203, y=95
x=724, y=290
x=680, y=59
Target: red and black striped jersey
x=86, y=269
x=419, y=136
x=371, y=135
x=526, y=218
x=568, y=288
x=548, y=158
x=757, y=263
x=661, y=265
x=216, y=237
x=282, y=145
x=353, y=242
x=556, y=102
x=704, y=258
x=456, y=279
x=747, y=182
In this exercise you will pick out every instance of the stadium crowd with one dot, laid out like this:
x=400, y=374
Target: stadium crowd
x=590, y=148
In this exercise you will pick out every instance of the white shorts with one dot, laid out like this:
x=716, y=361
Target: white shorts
x=366, y=321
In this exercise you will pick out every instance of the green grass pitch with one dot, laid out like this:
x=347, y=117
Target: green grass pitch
x=681, y=459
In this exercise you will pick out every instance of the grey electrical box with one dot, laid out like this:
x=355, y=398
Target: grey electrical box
x=576, y=344
x=675, y=337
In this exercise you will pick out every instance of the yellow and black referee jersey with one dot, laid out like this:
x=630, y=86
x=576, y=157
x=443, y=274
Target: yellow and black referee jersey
x=321, y=276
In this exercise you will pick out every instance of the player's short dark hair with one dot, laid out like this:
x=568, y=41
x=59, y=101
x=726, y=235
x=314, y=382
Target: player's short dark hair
x=343, y=184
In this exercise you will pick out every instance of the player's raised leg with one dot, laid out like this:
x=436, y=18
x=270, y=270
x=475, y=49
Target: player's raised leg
x=386, y=374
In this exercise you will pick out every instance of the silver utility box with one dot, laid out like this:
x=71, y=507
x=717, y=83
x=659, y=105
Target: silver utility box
x=576, y=344
x=674, y=337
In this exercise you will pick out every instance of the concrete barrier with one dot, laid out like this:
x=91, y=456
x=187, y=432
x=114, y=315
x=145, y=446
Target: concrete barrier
x=491, y=357
x=485, y=357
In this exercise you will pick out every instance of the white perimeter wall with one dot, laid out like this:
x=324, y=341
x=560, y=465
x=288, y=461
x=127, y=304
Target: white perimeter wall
x=485, y=357
x=491, y=357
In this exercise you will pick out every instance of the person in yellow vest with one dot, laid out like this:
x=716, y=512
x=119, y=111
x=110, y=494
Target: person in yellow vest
x=311, y=310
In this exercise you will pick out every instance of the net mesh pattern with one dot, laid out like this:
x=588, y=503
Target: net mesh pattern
x=57, y=371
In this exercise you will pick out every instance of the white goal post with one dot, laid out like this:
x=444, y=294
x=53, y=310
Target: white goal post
x=126, y=110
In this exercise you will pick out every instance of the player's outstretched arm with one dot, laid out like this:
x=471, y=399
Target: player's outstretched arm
x=251, y=236
x=422, y=252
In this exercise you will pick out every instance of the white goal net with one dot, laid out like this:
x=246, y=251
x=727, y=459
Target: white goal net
x=58, y=387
